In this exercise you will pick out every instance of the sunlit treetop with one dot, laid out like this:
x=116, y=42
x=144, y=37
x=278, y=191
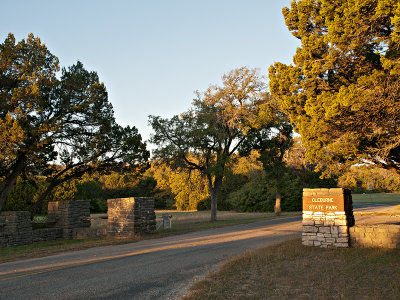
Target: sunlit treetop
x=342, y=91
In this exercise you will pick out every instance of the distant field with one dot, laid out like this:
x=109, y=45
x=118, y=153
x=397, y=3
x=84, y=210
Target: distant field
x=379, y=198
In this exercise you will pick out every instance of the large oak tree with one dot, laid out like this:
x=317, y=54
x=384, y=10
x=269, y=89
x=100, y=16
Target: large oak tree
x=205, y=137
x=60, y=128
x=342, y=91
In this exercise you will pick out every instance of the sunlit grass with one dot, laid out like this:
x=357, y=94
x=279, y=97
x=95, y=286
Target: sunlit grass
x=390, y=198
x=292, y=271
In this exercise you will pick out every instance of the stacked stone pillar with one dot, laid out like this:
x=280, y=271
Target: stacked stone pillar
x=129, y=216
x=327, y=216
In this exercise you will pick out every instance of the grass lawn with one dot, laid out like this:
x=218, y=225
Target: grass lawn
x=182, y=222
x=389, y=198
x=291, y=271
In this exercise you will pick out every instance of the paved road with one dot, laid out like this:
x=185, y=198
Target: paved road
x=151, y=269
x=372, y=206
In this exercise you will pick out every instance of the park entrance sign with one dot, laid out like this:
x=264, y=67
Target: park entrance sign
x=327, y=216
x=323, y=204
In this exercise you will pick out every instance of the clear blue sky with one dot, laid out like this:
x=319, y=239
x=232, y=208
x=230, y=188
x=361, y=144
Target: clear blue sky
x=153, y=54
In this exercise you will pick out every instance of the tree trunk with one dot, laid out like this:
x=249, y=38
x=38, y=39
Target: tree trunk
x=277, y=207
x=214, y=190
x=12, y=179
x=38, y=205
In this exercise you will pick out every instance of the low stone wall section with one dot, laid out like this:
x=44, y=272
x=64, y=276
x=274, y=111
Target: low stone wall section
x=46, y=234
x=375, y=236
x=129, y=216
x=63, y=218
x=15, y=228
x=88, y=233
x=67, y=215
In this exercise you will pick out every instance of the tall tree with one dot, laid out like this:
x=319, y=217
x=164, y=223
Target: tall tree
x=219, y=122
x=272, y=139
x=61, y=128
x=343, y=91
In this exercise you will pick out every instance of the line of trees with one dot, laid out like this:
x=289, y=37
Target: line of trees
x=341, y=94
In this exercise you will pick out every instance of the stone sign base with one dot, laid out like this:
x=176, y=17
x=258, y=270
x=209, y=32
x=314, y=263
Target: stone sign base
x=327, y=223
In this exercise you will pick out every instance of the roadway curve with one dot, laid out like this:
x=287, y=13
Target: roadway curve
x=150, y=269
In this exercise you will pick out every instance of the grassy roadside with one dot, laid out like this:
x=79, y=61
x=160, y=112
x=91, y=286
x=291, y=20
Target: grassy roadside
x=291, y=271
x=182, y=222
x=384, y=198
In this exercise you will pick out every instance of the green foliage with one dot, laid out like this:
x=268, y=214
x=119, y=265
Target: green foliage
x=66, y=191
x=342, y=92
x=187, y=188
x=21, y=196
x=61, y=127
x=205, y=137
x=360, y=178
x=253, y=195
x=259, y=195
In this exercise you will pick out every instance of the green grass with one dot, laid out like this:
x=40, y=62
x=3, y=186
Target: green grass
x=291, y=271
x=182, y=222
x=384, y=198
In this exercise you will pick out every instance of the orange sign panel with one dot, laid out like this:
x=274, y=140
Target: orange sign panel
x=323, y=203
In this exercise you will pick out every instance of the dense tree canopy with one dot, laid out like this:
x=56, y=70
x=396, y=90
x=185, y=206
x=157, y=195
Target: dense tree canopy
x=220, y=120
x=343, y=91
x=57, y=127
x=187, y=188
x=272, y=140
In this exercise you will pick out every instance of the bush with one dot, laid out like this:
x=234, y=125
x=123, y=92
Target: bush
x=20, y=197
x=258, y=195
x=98, y=205
x=253, y=195
x=204, y=205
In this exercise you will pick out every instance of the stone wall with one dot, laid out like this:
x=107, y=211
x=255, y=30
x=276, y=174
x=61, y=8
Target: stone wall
x=71, y=219
x=329, y=227
x=129, y=216
x=46, y=234
x=88, y=233
x=67, y=215
x=63, y=218
x=15, y=228
x=375, y=236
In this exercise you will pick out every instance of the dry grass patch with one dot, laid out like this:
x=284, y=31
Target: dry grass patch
x=292, y=271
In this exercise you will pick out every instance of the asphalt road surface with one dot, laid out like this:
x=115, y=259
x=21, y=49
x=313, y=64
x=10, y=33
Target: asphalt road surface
x=151, y=269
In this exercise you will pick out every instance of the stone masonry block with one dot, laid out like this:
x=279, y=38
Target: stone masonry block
x=317, y=243
x=308, y=243
x=342, y=240
x=325, y=229
x=310, y=229
x=308, y=222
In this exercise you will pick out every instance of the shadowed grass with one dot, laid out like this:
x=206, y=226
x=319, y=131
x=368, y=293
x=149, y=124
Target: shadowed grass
x=291, y=271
